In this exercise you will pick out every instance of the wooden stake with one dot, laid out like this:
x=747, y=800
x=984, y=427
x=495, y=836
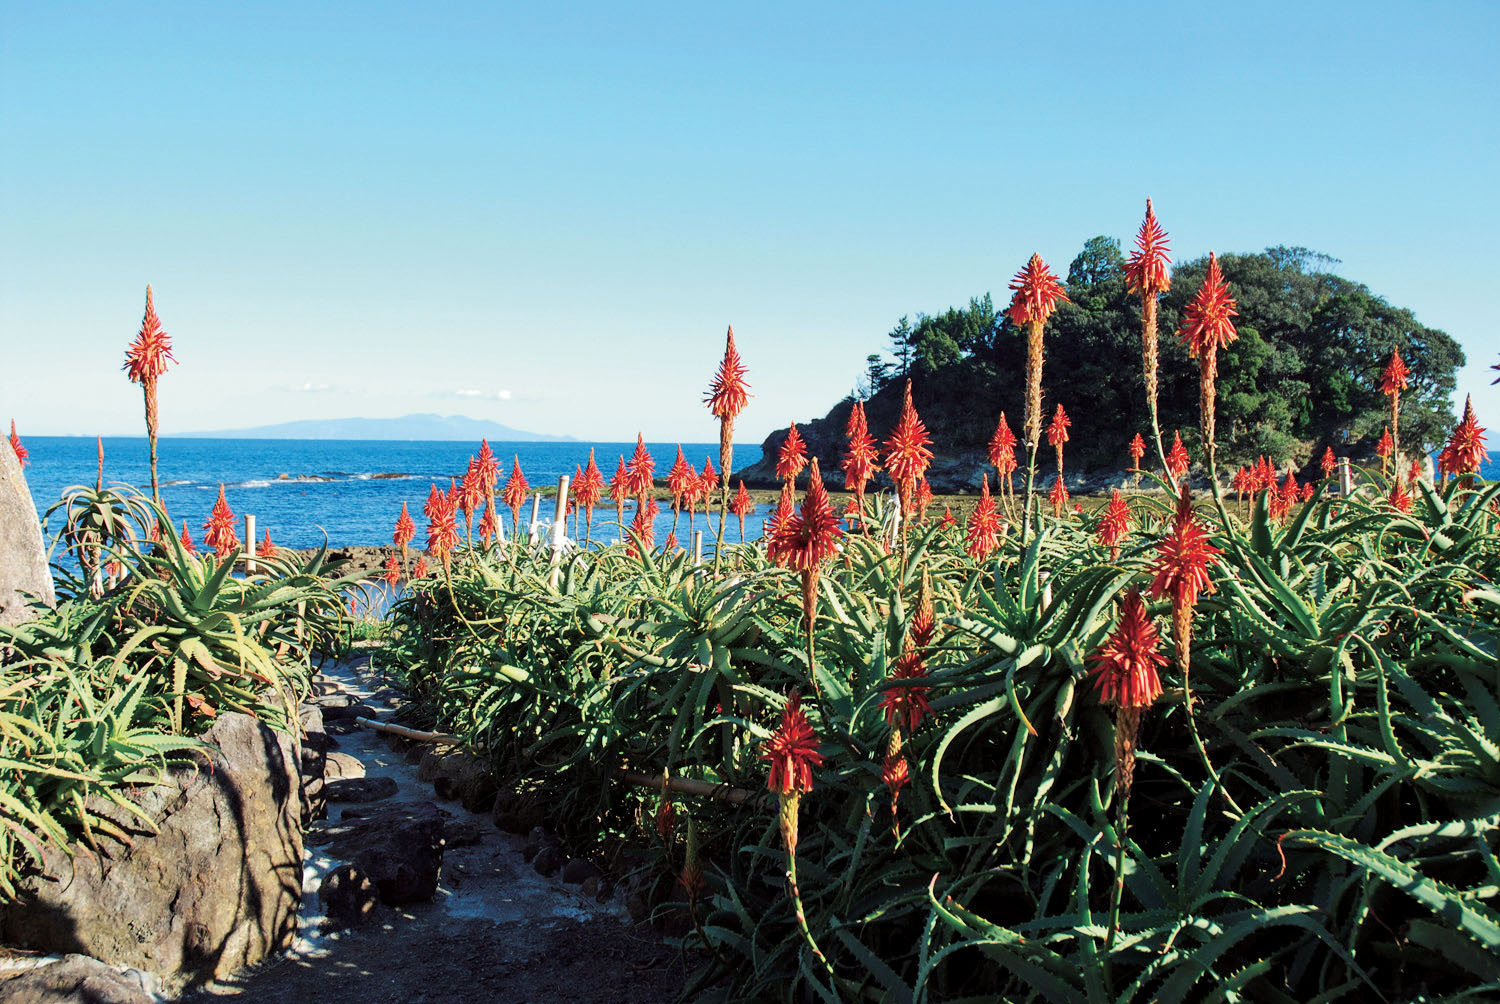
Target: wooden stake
x=250, y=566
x=559, y=529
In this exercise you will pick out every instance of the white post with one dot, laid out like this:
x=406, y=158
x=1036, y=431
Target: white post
x=559, y=528
x=1346, y=477
x=697, y=548
x=534, y=531
x=250, y=565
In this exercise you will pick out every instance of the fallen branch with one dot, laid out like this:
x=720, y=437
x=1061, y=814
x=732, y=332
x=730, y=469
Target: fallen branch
x=688, y=786
x=441, y=738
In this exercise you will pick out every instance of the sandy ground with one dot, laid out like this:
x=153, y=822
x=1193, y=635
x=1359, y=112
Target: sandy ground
x=495, y=931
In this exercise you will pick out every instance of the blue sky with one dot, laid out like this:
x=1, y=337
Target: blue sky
x=547, y=218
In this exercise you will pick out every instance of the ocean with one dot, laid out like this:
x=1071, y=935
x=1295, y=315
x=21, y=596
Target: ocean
x=348, y=491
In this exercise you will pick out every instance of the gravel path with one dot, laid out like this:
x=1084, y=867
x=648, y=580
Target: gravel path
x=496, y=930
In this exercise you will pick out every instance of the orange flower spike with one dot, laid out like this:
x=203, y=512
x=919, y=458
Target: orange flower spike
x=392, y=570
x=1178, y=460
x=15, y=444
x=1308, y=491
x=1125, y=664
x=1002, y=447
x=708, y=480
x=1114, y=523
x=908, y=449
x=728, y=394
x=948, y=521
x=488, y=467
x=677, y=478
x=218, y=532
x=421, y=568
x=1465, y=450
x=811, y=535
x=1183, y=559
x=742, y=504
x=1400, y=498
x=187, y=540
x=906, y=707
x=1207, y=327
x=147, y=357
x=1057, y=429
x=923, y=499
x=640, y=469
x=792, y=752
x=983, y=533
x=1037, y=293
x=488, y=525
x=1329, y=463
x=776, y=524
x=442, y=529
x=516, y=489
x=1137, y=450
x=1146, y=270
x=404, y=531
x=1058, y=496
x=1395, y=377
x=791, y=458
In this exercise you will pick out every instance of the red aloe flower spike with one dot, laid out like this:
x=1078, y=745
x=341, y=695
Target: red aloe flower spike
x=776, y=523
x=1180, y=571
x=923, y=499
x=707, y=482
x=948, y=521
x=488, y=525
x=1002, y=454
x=619, y=490
x=15, y=444
x=811, y=535
x=677, y=482
x=187, y=540
x=671, y=541
x=471, y=495
x=741, y=508
x=1178, y=461
x=1414, y=472
x=1057, y=429
x=1137, y=450
x=640, y=469
x=1393, y=380
x=421, y=568
x=1114, y=523
x=907, y=705
x=145, y=360
x=860, y=461
x=1125, y=675
x=1329, y=463
x=267, y=549
x=219, y=530
x=516, y=489
x=726, y=398
x=1125, y=663
x=983, y=533
x=392, y=570
x=1037, y=293
x=1385, y=447
x=1400, y=498
x=1207, y=327
x=1464, y=451
x=907, y=451
x=1058, y=496
x=792, y=752
x=791, y=458
x=1308, y=491
x=1146, y=273
x=405, y=530
x=895, y=774
x=442, y=529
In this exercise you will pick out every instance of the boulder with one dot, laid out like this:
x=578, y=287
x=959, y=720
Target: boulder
x=210, y=886
x=399, y=848
x=460, y=776
x=74, y=979
x=360, y=789
x=579, y=870
x=342, y=765
x=348, y=896
x=23, y=558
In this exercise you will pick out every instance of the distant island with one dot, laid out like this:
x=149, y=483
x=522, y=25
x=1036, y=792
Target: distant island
x=407, y=427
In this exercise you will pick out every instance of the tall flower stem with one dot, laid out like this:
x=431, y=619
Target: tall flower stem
x=1182, y=635
x=1033, y=414
x=149, y=387
x=796, y=890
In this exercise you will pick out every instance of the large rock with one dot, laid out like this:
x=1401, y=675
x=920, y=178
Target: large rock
x=215, y=888
x=23, y=559
x=74, y=979
x=399, y=849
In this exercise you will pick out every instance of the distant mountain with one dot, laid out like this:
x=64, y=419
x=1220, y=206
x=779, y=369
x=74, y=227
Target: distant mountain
x=407, y=427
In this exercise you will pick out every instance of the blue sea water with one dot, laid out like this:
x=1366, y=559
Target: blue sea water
x=349, y=491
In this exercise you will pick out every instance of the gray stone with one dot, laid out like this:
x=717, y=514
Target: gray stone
x=74, y=979
x=23, y=558
x=360, y=789
x=576, y=871
x=344, y=714
x=460, y=776
x=399, y=847
x=341, y=765
x=348, y=896
x=213, y=889
x=311, y=717
x=538, y=838
x=549, y=859
x=461, y=833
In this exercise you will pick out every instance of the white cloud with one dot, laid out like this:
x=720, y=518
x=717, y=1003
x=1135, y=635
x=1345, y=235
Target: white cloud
x=308, y=387
x=474, y=394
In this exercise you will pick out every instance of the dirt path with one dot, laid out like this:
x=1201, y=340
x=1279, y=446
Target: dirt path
x=496, y=930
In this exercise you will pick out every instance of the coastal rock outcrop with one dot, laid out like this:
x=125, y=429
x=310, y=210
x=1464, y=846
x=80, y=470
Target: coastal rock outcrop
x=210, y=881
x=23, y=558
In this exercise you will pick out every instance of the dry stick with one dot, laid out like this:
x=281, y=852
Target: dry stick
x=440, y=738
x=690, y=786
